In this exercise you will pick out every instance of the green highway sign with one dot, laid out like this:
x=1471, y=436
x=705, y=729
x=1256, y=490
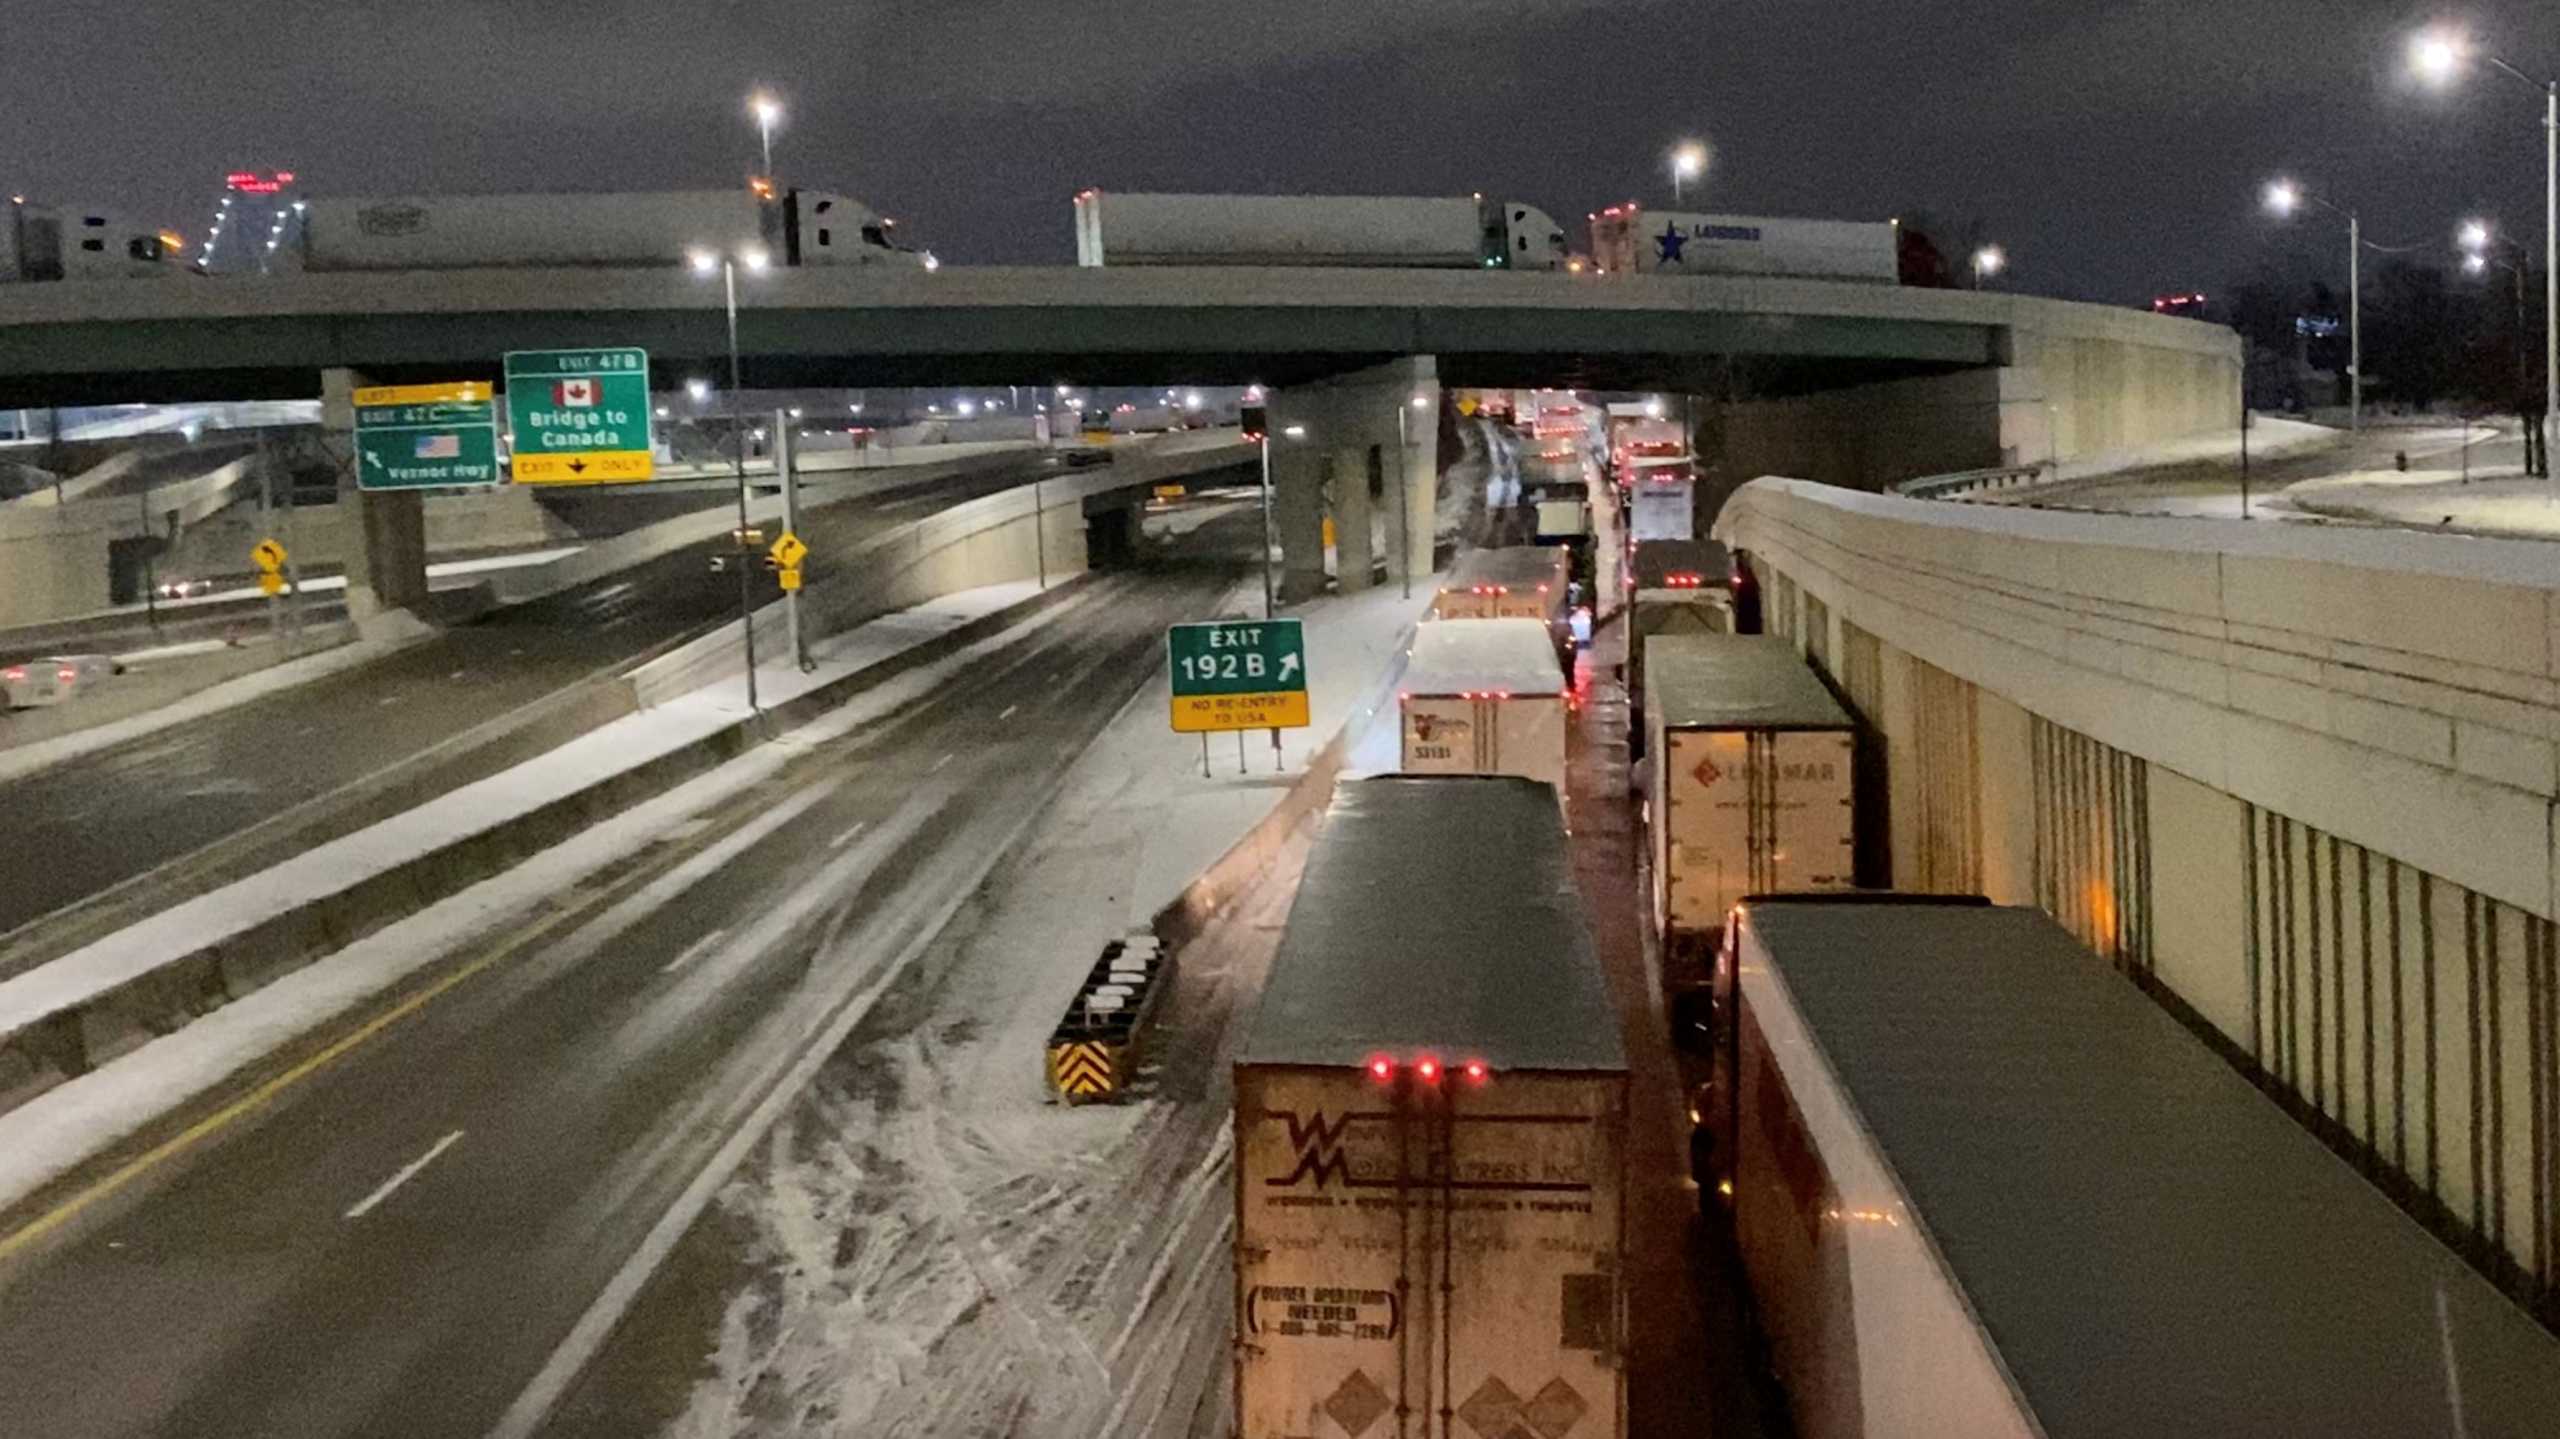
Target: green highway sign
x=1238, y=675
x=417, y=437
x=580, y=417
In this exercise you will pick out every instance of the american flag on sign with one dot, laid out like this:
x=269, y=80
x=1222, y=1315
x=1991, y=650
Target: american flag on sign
x=439, y=447
x=574, y=394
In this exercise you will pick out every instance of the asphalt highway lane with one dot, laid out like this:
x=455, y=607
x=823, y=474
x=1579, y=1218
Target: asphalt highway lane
x=126, y=810
x=398, y=1244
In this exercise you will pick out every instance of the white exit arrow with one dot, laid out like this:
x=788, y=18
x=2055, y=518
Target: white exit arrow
x=1288, y=666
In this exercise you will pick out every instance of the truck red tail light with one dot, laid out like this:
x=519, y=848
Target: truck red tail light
x=1427, y=1069
x=66, y=674
x=1382, y=1069
x=1476, y=1071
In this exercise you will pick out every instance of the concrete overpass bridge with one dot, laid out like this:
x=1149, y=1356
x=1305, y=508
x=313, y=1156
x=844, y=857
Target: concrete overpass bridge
x=1853, y=384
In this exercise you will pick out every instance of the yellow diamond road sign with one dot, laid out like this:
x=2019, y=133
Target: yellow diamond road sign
x=269, y=555
x=788, y=551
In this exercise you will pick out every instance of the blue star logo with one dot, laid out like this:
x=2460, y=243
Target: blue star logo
x=1670, y=241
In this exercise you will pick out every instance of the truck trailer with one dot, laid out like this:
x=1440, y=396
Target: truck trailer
x=1485, y=697
x=1525, y=582
x=1630, y=240
x=1430, y=1134
x=1353, y=231
x=1751, y=790
x=638, y=231
x=40, y=243
x=1694, y=609
x=1983, y=1186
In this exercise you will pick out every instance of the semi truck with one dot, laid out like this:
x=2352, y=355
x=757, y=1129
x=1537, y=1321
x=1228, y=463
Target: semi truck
x=637, y=230
x=1696, y=609
x=1751, y=789
x=40, y=243
x=1528, y=582
x=1984, y=1186
x=1430, y=1134
x=1485, y=697
x=1355, y=231
x=1631, y=240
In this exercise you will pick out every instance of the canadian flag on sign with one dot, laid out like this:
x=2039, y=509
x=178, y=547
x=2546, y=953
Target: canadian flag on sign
x=574, y=394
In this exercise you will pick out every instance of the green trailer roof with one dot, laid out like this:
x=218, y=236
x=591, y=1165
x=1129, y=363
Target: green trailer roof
x=1724, y=682
x=2154, y=1247
x=1438, y=915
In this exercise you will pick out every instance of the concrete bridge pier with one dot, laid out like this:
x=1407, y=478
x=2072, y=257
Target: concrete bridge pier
x=387, y=571
x=1340, y=449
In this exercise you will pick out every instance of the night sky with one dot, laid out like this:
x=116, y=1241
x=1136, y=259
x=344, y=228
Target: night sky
x=2115, y=149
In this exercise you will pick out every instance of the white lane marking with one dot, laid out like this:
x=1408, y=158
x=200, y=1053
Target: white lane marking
x=846, y=838
x=694, y=951
x=1008, y=712
x=365, y=1205
x=938, y=764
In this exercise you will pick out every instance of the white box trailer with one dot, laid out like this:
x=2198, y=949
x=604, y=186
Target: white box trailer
x=656, y=229
x=1430, y=1134
x=1630, y=240
x=1983, y=1186
x=1353, y=231
x=1751, y=790
x=1485, y=697
x=1527, y=582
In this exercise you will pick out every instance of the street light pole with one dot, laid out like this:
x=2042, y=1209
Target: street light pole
x=738, y=451
x=2355, y=323
x=2550, y=273
x=1270, y=592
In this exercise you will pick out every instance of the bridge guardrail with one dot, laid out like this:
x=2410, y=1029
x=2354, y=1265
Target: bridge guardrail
x=1972, y=482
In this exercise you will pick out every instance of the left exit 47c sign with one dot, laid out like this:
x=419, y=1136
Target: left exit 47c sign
x=1238, y=675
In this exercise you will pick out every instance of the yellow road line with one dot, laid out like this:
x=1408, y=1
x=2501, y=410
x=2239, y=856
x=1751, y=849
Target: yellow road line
x=266, y=1093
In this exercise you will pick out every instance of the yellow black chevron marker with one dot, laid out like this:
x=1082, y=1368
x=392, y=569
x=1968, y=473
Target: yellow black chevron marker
x=1084, y=1070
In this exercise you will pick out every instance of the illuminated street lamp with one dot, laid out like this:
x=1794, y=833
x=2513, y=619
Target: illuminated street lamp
x=1688, y=162
x=707, y=263
x=2481, y=249
x=2439, y=57
x=2283, y=198
x=1989, y=260
x=768, y=113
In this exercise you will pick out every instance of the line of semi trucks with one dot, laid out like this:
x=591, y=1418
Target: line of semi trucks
x=805, y=228
x=1978, y=1184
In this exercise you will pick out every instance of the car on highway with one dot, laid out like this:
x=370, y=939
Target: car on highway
x=184, y=589
x=54, y=679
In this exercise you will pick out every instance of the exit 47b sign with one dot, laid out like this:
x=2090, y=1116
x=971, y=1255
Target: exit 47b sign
x=1238, y=675
x=580, y=417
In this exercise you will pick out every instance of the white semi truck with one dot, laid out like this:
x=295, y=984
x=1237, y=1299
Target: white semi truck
x=1631, y=240
x=1352, y=231
x=1430, y=1134
x=1528, y=582
x=1485, y=697
x=1752, y=788
x=1983, y=1186
x=40, y=243
x=638, y=231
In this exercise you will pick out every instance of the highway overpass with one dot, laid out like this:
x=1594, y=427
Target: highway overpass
x=1853, y=384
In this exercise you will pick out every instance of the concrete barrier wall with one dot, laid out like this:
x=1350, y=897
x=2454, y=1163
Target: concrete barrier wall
x=2298, y=783
x=2077, y=381
x=55, y=564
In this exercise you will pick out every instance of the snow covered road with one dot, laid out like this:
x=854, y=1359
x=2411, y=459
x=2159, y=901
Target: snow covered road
x=403, y=1238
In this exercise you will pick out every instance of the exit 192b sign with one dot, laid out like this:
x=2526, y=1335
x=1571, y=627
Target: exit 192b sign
x=1238, y=675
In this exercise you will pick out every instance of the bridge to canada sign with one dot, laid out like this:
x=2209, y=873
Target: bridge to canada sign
x=580, y=417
